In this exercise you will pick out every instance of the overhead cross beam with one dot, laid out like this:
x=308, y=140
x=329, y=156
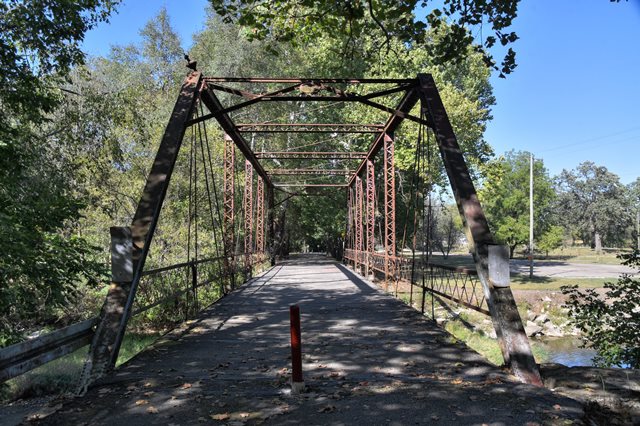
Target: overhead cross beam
x=308, y=128
x=308, y=172
x=213, y=104
x=297, y=155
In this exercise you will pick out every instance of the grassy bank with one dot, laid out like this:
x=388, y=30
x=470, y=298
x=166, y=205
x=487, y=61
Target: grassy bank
x=523, y=282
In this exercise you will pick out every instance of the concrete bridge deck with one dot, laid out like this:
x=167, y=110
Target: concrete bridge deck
x=367, y=359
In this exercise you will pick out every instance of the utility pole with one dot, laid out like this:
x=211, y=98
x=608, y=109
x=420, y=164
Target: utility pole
x=638, y=228
x=531, y=217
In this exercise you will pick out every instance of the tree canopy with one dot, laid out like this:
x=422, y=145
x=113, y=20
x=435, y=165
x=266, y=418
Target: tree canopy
x=505, y=197
x=592, y=203
x=302, y=22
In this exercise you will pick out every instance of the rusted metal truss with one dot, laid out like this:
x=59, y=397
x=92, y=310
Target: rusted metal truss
x=297, y=155
x=359, y=241
x=371, y=207
x=310, y=185
x=389, y=203
x=260, y=211
x=228, y=206
x=308, y=128
x=248, y=215
x=308, y=172
x=361, y=203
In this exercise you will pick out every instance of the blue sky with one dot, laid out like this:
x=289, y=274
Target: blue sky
x=575, y=95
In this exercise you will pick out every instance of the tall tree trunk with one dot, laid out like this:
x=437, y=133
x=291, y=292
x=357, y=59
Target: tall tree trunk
x=597, y=239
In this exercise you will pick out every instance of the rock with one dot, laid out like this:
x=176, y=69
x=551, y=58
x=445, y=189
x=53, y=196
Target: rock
x=552, y=331
x=542, y=319
x=531, y=316
x=532, y=329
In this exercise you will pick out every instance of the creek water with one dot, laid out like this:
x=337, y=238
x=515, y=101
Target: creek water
x=566, y=351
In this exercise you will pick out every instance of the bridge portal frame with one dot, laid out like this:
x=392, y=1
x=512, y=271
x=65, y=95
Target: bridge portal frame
x=197, y=88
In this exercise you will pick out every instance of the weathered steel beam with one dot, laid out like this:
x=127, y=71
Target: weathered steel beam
x=359, y=243
x=371, y=212
x=311, y=80
x=405, y=105
x=307, y=172
x=116, y=309
x=310, y=185
x=389, y=206
x=318, y=155
x=248, y=216
x=308, y=128
x=228, y=208
x=504, y=313
x=260, y=213
x=213, y=104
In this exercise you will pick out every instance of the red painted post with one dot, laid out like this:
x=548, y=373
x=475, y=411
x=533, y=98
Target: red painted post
x=297, y=383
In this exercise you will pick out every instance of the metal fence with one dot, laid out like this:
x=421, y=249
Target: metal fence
x=165, y=296
x=455, y=283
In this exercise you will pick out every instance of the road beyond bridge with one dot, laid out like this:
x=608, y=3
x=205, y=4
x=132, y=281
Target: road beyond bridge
x=367, y=359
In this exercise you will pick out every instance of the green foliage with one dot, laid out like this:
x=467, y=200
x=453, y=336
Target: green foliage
x=42, y=264
x=593, y=204
x=303, y=22
x=505, y=198
x=610, y=321
x=551, y=239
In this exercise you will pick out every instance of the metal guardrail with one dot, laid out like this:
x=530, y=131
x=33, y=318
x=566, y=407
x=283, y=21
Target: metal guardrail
x=25, y=356
x=22, y=357
x=458, y=284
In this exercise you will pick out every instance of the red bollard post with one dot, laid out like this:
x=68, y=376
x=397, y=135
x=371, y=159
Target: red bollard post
x=297, y=383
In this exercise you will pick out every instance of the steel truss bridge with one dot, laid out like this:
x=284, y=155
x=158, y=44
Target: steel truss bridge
x=368, y=181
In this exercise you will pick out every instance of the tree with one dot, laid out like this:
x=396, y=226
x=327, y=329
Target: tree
x=447, y=229
x=610, y=322
x=551, y=239
x=634, y=193
x=42, y=264
x=593, y=203
x=305, y=21
x=505, y=198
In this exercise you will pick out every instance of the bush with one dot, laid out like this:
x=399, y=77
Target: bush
x=610, y=322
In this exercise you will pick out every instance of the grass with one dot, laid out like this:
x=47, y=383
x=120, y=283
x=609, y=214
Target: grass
x=485, y=345
x=61, y=375
x=522, y=282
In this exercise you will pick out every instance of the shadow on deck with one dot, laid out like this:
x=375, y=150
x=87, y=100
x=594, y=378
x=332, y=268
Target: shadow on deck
x=367, y=359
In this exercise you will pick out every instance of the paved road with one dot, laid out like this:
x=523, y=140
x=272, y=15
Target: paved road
x=368, y=359
x=570, y=270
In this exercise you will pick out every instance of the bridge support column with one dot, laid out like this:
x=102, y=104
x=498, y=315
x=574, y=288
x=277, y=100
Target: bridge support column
x=271, y=230
x=228, y=206
x=371, y=215
x=389, y=209
x=260, y=248
x=116, y=309
x=359, y=243
x=504, y=313
x=248, y=219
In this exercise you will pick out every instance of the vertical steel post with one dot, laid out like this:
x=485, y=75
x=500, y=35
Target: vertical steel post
x=260, y=217
x=228, y=205
x=248, y=218
x=271, y=230
x=117, y=306
x=359, y=244
x=504, y=313
x=371, y=214
x=389, y=208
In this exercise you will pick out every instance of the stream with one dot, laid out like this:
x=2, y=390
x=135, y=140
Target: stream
x=566, y=351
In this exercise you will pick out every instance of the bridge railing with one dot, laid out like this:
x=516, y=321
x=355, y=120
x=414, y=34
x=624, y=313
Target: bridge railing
x=166, y=295
x=455, y=283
